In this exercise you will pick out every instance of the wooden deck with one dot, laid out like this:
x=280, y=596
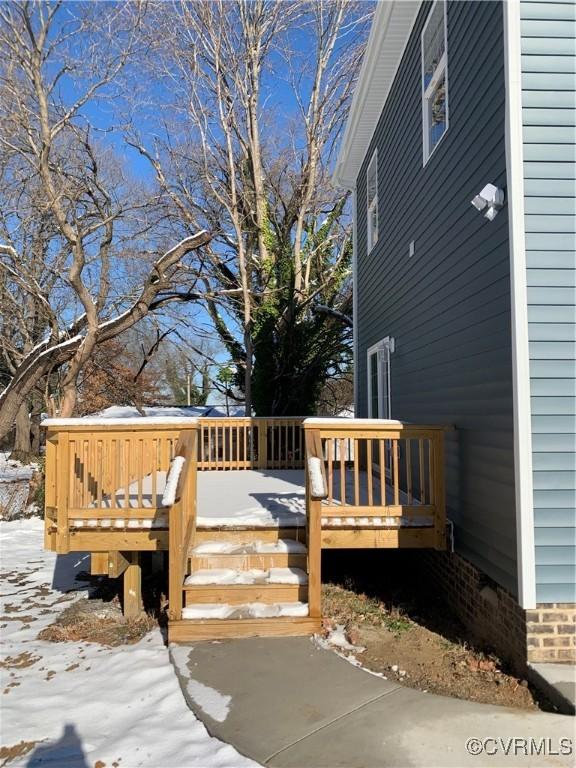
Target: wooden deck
x=256, y=500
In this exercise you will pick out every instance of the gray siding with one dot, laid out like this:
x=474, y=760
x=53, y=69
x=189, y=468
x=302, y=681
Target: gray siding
x=448, y=307
x=549, y=119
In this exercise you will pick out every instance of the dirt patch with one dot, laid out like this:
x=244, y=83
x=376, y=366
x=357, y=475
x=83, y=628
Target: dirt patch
x=97, y=621
x=7, y=754
x=403, y=648
x=19, y=662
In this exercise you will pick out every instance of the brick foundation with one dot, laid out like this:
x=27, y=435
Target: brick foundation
x=494, y=618
x=551, y=632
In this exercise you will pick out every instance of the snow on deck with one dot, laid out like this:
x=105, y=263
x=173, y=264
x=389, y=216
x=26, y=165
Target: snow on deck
x=257, y=498
x=274, y=498
x=267, y=498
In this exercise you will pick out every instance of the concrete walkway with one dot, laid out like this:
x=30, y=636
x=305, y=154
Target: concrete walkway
x=287, y=702
x=558, y=681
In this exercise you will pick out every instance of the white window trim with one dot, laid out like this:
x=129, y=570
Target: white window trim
x=441, y=69
x=374, y=204
x=385, y=345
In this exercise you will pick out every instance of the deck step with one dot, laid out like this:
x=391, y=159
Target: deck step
x=230, y=576
x=235, y=595
x=260, y=555
x=242, y=611
x=247, y=562
x=218, y=546
x=249, y=535
x=187, y=630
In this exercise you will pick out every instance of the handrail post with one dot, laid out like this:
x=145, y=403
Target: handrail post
x=314, y=557
x=262, y=443
x=175, y=574
x=313, y=443
x=182, y=520
x=439, y=490
x=50, y=502
x=63, y=471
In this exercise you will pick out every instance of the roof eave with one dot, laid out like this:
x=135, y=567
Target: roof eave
x=391, y=28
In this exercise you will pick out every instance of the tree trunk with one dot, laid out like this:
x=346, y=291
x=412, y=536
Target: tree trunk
x=22, y=442
x=248, y=374
x=68, y=401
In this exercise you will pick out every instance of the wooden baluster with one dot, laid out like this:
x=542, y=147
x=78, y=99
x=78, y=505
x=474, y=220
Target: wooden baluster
x=101, y=459
x=85, y=464
x=421, y=462
x=395, y=470
x=126, y=473
x=342, y=471
x=356, y=461
x=140, y=472
x=369, y=472
x=330, y=471
x=63, y=479
x=382, y=461
x=439, y=491
x=262, y=444
x=431, y=498
x=154, y=499
x=409, y=470
x=91, y=470
x=114, y=463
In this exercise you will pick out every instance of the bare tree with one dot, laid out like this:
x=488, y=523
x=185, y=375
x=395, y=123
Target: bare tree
x=227, y=159
x=72, y=251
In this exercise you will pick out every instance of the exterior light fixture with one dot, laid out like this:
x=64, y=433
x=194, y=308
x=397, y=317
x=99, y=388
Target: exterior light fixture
x=490, y=198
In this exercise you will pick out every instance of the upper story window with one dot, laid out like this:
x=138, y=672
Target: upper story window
x=434, y=78
x=372, y=201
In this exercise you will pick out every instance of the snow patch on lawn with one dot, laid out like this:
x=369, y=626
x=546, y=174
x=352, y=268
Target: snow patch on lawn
x=81, y=702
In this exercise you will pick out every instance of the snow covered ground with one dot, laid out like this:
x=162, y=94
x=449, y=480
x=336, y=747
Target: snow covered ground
x=81, y=705
x=14, y=486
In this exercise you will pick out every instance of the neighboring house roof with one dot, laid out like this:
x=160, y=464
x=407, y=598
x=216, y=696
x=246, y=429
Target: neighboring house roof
x=391, y=27
x=169, y=411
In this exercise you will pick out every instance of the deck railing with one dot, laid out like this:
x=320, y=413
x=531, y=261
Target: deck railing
x=103, y=479
x=379, y=475
x=250, y=443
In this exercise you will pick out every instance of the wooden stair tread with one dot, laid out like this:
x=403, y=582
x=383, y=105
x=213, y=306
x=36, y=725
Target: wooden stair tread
x=248, y=562
x=249, y=534
x=244, y=611
x=223, y=547
x=239, y=594
x=228, y=577
x=188, y=630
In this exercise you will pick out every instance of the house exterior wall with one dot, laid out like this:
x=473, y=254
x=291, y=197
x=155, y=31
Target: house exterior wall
x=548, y=45
x=448, y=306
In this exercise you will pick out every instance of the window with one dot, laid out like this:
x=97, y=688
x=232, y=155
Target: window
x=434, y=78
x=372, y=201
